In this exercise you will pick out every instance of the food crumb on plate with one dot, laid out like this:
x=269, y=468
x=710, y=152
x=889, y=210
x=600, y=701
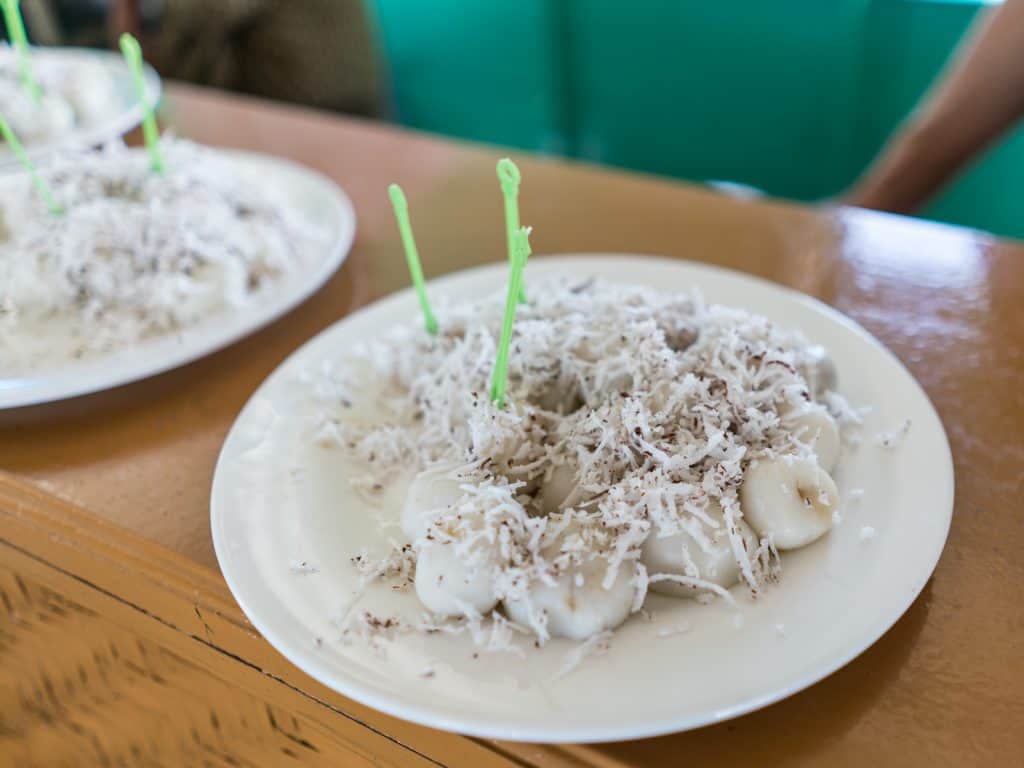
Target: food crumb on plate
x=595, y=645
x=867, y=533
x=894, y=438
x=302, y=566
x=676, y=629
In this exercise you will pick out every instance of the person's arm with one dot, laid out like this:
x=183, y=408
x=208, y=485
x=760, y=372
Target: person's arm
x=979, y=97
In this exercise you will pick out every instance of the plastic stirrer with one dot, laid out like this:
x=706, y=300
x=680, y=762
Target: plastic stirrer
x=16, y=32
x=132, y=52
x=19, y=152
x=509, y=178
x=520, y=253
x=412, y=256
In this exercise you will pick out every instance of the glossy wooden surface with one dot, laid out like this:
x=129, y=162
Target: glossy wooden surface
x=117, y=651
x=942, y=687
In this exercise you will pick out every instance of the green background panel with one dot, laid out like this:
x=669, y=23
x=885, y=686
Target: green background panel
x=486, y=70
x=735, y=91
x=792, y=96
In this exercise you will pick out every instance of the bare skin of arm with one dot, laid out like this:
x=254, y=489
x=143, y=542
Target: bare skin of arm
x=980, y=95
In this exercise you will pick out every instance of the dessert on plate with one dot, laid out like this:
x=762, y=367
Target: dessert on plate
x=135, y=255
x=647, y=443
x=75, y=94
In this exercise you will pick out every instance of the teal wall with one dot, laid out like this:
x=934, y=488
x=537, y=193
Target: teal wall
x=479, y=69
x=791, y=96
x=756, y=92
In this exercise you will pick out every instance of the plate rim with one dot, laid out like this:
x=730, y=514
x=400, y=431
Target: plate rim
x=116, y=127
x=334, y=678
x=63, y=387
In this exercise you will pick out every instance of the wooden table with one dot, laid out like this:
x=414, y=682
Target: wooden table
x=120, y=644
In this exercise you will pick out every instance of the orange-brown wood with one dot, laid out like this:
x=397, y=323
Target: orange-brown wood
x=115, y=648
x=942, y=687
x=85, y=684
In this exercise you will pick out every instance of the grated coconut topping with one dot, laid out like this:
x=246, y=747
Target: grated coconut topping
x=657, y=402
x=73, y=95
x=135, y=254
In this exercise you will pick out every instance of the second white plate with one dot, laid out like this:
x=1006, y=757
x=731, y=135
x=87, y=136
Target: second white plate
x=125, y=111
x=278, y=498
x=316, y=198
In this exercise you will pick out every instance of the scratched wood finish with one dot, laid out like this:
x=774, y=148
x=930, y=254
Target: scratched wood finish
x=941, y=688
x=79, y=689
x=115, y=651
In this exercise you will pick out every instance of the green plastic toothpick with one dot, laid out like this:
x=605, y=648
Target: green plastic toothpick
x=19, y=152
x=16, y=32
x=133, y=56
x=509, y=178
x=520, y=253
x=412, y=257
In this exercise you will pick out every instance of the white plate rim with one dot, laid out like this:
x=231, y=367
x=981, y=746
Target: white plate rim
x=38, y=388
x=308, y=662
x=116, y=126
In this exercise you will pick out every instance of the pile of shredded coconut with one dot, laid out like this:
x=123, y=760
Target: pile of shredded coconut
x=73, y=95
x=135, y=254
x=660, y=402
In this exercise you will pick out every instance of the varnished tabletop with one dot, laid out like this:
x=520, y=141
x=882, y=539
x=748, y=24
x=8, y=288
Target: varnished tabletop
x=944, y=687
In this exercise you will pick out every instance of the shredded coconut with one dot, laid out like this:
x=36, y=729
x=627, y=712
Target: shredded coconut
x=492, y=634
x=650, y=407
x=895, y=437
x=842, y=411
x=675, y=629
x=74, y=95
x=371, y=630
x=595, y=645
x=397, y=566
x=135, y=255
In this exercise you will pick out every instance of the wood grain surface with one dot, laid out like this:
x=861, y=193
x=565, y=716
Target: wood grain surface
x=941, y=688
x=117, y=651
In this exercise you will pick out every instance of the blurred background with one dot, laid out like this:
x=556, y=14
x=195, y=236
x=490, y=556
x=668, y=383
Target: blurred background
x=793, y=97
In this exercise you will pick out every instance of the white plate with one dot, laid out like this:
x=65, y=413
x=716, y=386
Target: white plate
x=125, y=113
x=277, y=498
x=315, y=197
